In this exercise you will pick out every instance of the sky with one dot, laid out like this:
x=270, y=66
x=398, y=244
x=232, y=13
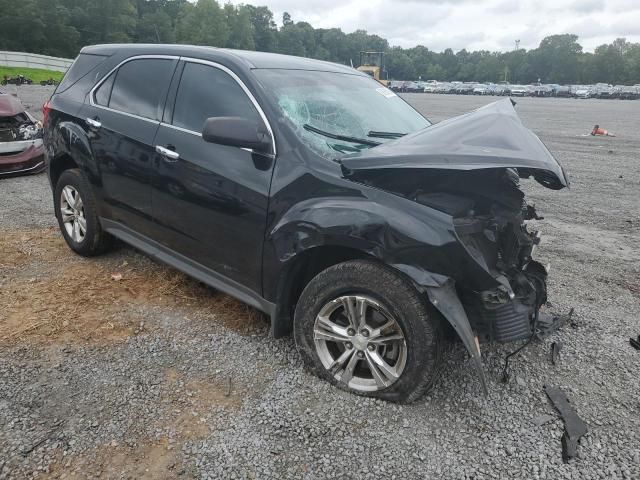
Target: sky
x=471, y=24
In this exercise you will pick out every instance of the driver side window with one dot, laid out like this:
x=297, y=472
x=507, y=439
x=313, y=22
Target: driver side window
x=206, y=91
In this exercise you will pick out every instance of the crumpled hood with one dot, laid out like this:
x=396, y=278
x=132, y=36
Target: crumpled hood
x=10, y=106
x=490, y=137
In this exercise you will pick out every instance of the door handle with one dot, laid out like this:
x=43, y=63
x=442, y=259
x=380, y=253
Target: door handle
x=93, y=123
x=169, y=155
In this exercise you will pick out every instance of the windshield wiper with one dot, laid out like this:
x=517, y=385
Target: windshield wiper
x=344, y=138
x=373, y=133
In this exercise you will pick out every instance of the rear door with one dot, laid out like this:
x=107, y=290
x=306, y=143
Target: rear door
x=122, y=117
x=210, y=200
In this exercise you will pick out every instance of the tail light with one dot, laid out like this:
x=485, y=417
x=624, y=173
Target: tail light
x=45, y=111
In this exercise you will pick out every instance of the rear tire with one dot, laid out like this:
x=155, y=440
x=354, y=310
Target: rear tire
x=75, y=209
x=392, y=352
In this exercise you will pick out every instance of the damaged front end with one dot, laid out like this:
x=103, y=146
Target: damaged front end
x=21, y=148
x=495, y=234
x=470, y=169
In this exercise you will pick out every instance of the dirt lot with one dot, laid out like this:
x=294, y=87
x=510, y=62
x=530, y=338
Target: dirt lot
x=118, y=367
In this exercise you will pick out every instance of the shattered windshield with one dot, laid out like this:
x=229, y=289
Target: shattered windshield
x=336, y=112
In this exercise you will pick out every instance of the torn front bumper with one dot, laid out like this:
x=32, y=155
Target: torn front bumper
x=21, y=157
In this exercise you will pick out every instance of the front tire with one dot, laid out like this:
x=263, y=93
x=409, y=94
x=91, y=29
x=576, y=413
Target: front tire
x=75, y=209
x=363, y=327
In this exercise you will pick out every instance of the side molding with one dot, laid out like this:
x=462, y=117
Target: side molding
x=188, y=266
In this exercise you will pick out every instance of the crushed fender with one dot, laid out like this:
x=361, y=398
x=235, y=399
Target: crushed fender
x=574, y=426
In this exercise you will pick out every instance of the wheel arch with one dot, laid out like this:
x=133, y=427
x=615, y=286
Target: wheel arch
x=59, y=164
x=70, y=147
x=318, y=233
x=304, y=266
x=298, y=272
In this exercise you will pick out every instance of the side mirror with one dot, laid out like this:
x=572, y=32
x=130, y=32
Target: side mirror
x=237, y=132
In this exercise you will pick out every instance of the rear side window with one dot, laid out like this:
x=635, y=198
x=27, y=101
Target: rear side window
x=140, y=87
x=103, y=94
x=82, y=65
x=205, y=92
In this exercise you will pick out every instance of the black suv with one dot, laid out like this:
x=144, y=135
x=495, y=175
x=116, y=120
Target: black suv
x=311, y=192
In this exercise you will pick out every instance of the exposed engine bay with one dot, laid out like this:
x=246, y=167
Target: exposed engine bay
x=20, y=127
x=490, y=218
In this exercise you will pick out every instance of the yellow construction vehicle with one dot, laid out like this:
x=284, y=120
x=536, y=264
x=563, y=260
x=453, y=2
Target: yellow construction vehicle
x=372, y=63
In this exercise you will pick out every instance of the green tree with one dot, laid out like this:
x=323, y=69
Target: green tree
x=202, y=24
x=62, y=27
x=556, y=59
x=155, y=27
x=609, y=61
x=399, y=65
x=239, y=23
x=263, y=27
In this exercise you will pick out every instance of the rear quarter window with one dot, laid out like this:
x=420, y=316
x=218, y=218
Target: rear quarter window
x=83, y=64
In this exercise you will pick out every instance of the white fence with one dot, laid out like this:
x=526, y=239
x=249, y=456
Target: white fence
x=31, y=60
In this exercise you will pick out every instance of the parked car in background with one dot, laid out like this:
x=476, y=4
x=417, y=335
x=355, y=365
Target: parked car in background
x=481, y=89
x=519, y=90
x=464, y=88
x=275, y=179
x=625, y=92
x=540, y=90
x=395, y=85
x=442, y=87
x=413, y=87
x=603, y=91
x=502, y=89
x=431, y=87
x=21, y=149
x=405, y=86
x=561, y=91
x=583, y=91
x=420, y=84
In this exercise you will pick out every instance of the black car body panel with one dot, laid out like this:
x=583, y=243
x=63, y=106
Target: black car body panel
x=491, y=137
x=442, y=205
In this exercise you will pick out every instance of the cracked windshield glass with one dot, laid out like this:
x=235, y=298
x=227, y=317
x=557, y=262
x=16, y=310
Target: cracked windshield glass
x=336, y=112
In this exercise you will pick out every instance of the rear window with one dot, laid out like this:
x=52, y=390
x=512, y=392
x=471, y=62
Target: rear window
x=140, y=87
x=82, y=65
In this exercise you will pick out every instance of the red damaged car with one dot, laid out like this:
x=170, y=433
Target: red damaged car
x=21, y=149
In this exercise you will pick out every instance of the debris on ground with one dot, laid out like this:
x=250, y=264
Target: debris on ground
x=17, y=80
x=574, y=426
x=549, y=323
x=540, y=420
x=635, y=343
x=555, y=352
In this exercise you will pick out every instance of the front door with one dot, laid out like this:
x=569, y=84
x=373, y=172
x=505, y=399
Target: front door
x=122, y=120
x=210, y=200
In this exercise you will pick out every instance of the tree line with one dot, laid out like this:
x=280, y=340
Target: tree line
x=62, y=27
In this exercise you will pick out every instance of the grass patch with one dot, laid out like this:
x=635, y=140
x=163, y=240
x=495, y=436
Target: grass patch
x=35, y=74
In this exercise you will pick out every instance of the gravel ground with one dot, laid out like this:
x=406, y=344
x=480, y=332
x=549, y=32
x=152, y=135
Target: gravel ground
x=120, y=368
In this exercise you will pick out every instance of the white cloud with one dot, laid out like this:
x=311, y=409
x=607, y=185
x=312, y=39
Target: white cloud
x=474, y=25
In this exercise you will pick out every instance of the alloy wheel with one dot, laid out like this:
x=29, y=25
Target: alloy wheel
x=72, y=212
x=360, y=343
